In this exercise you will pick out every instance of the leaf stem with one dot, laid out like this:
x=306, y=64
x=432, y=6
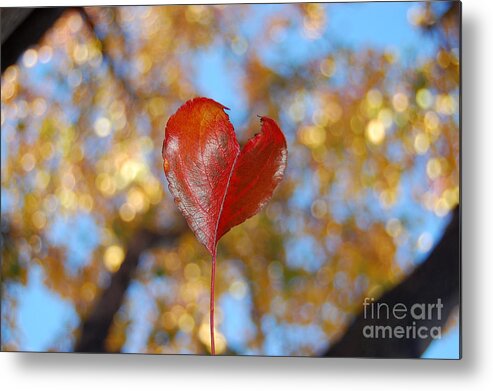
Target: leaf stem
x=211, y=313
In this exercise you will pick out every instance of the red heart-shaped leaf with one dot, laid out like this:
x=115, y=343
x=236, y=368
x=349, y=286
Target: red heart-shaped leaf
x=214, y=185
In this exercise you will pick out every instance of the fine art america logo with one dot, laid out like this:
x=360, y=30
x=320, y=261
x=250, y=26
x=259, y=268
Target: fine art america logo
x=402, y=321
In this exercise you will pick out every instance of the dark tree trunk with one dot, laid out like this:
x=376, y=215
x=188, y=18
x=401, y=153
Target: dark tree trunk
x=23, y=27
x=438, y=277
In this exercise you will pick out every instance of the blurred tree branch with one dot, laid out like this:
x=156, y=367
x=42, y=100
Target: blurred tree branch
x=108, y=58
x=96, y=326
x=438, y=277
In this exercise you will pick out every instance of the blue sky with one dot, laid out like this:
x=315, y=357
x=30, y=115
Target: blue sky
x=43, y=314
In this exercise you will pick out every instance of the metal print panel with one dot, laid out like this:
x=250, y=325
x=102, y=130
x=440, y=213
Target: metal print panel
x=241, y=179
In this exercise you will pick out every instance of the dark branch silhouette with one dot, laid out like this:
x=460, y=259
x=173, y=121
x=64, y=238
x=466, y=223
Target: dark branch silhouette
x=26, y=26
x=438, y=277
x=96, y=326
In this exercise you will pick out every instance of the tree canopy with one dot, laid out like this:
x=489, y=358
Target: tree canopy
x=373, y=172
